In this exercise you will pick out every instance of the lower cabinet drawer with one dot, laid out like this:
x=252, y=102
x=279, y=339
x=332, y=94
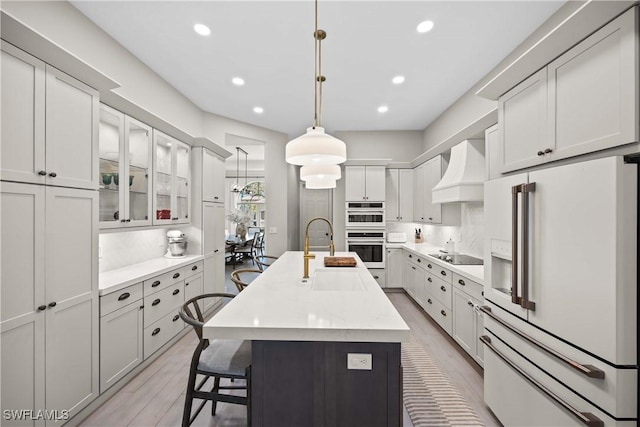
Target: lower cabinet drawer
x=163, y=302
x=159, y=333
x=438, y=312
x=115, y=300
x=474, y=289
x=379, y=275
x=439, y=289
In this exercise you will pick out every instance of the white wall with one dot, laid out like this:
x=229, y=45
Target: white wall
x=400, y=146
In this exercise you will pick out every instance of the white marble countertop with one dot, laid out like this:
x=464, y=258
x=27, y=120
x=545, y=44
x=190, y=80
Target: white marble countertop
x=279, y=306
x=115, y=280
x=472, y=272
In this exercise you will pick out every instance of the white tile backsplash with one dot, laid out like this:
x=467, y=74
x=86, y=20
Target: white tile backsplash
x=468, y=237
x=130, y=247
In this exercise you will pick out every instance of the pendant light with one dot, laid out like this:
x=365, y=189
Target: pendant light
x=237, y=188
x=320, y=172
x=320, y=183
x=316, y=147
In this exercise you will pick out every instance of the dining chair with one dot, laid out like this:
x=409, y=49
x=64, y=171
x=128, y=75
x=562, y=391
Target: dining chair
x=243, y=276
x=264, y=261
x=216, y=359
x=259, y=246
x=249, y=249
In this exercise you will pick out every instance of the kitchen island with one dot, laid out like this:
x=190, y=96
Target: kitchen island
x=325, y=350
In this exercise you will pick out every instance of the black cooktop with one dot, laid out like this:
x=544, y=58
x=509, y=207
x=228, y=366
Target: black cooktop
x=458, y=259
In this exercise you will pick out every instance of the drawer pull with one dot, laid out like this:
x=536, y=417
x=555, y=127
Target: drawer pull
x=176, y=291
x=124, y=296
x=540, y=153
x=53, y=174
x=429, y=301
x=461, y=282
x=176, y=317
x=443, y=289
x=156, y=331
x=175, y=276
x=42, y=173
x=194, y=268
x=419, y=260
x=53, y=304
x=586, y=418
x=410, y=256
x=156, y=283
x=413, y=267
x=156, y=302
x=186, y=284
x=444, y=313
x=470, y=303
x=215, y=197
x=376, y=277
x=42, y=307
x=429, y=265
x=444, y=273
x=429, y=279
x=588, y=370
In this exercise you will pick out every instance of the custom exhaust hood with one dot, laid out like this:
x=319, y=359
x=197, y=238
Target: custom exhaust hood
x=464, y=179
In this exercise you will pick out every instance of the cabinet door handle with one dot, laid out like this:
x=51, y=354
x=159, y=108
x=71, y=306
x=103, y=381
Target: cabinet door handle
x=156, y=283
x=53, y=174
x=540, y=153
x=128, y=220
x=186, y=284
x=444, y=313
x=586, y=418
x=444, y=273
x=122, y=220
x=141, y=307
x=176, y=317
x=419, y=260
x=376, y=277
x=176, y=291
x=410, y=256
x=470, y=303
x=215, y=197
x=53, y=304
x=42, y=173
x=429, y=279
x=548, y=150
x=461, y=282
x=175, y=219
x=443, y=289
x=430, y=219
x=217, y=250
x=194, y=268
x=156, y=302
x=175, y=276
x=413, y=267
x=42, y=307
x=124, y=296
x=156, y=331
x=429, y=265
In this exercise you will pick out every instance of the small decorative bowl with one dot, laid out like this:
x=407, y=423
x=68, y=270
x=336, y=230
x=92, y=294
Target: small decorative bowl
x=116, y=178
x=106, y=178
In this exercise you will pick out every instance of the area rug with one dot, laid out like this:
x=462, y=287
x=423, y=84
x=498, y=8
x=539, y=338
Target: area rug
x=429, y=396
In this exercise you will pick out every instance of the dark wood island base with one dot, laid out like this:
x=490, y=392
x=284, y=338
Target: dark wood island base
x=302, y=383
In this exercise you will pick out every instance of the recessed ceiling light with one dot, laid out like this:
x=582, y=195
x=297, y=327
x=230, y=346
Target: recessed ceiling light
x=398, y=80
x=237, y=81
x=383, y=109
x=202, y=29
x=258, y=110
x=425, y=26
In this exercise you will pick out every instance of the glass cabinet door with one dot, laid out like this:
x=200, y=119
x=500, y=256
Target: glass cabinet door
x=111, y=137
x=138, y=194
x=182, y=182
x=163, y=183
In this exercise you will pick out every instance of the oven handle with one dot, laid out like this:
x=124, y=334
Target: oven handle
x=365, y=211
x=588, y=370
x=349, y=241
x=585, y=418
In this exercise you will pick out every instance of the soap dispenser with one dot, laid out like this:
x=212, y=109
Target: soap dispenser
x=450, y=246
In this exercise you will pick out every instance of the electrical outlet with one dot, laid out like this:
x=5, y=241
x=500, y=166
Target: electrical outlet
x=359, y=361
x=273, y=230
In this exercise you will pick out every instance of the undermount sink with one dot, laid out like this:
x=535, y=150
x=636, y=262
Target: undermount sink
x=336, y=279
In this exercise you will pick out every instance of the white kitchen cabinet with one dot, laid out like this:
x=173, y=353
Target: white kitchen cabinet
x=172, y=170
x=584, y=101
x=47, y=118
x=394, y=268
x=365, y=183
x=121, y=340
x=425, y=177
x=49, y=303
x=399, y=195
x=193, y=286
x=213, y=171
x=214, y=277
x=379, y=275
x=125, y=151
x=492, y=152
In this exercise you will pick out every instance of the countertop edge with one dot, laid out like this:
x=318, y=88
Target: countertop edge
x=302, y=334
x=110, y=281
x=454, y=268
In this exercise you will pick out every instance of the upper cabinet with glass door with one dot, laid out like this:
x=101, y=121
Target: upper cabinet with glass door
x=172, y=175
x=125, y=178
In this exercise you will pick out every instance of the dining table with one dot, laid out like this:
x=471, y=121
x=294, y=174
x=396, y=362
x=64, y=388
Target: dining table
x=232, y=242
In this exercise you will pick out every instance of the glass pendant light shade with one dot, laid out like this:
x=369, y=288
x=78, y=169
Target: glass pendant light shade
x=316, y=172
x=320, y=183
x=316, y=148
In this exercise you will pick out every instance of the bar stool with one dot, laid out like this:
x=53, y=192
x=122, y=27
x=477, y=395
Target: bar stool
x=243, y=276
x=264, y=261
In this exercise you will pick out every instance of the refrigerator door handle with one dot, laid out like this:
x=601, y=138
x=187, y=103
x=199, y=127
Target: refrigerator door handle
x=524, y=300
x=514, y=243
x=585, y=418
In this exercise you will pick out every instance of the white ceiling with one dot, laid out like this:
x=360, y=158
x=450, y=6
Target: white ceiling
x=270, y=45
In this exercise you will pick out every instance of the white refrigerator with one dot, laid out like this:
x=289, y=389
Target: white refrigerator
x=561, y=295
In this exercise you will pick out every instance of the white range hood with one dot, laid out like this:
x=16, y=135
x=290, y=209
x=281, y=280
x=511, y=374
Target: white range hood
x=464, y=179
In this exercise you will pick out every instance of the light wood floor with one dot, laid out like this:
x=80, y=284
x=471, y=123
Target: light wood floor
x=155, y=397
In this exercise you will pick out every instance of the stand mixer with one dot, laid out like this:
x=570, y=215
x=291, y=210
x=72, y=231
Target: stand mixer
x=177, y=244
